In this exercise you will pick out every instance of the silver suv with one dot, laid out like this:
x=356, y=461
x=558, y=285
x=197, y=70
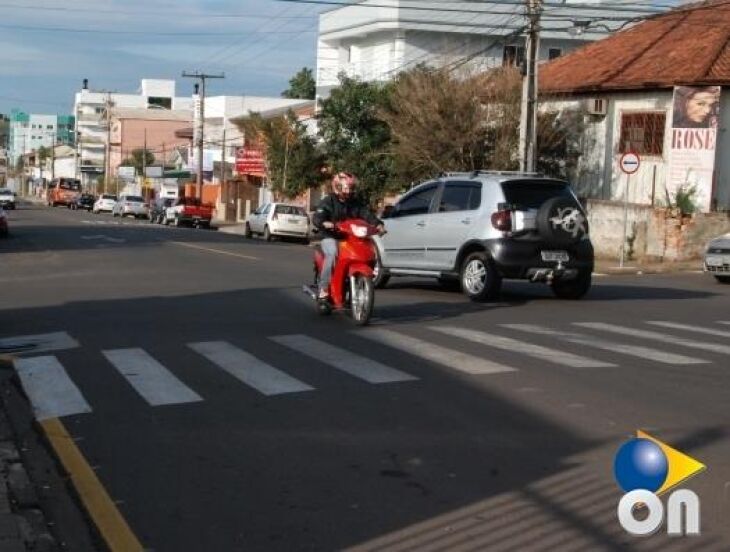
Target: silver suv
x=481, y=227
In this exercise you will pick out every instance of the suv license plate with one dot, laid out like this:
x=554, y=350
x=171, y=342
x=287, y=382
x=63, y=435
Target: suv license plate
x=555, y=256
x=714, y=260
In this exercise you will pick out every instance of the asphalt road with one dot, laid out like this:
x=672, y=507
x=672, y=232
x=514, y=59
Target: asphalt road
x=433, y=434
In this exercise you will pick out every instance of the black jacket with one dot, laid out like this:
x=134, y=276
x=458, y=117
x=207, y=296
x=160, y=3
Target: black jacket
x=333, y=210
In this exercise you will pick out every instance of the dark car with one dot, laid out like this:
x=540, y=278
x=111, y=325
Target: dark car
x=157, y=209
x=84, y=201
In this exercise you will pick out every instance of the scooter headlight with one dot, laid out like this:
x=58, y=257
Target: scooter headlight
x=359, y=231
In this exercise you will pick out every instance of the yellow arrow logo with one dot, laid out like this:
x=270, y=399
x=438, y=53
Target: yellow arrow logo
x=681, y=466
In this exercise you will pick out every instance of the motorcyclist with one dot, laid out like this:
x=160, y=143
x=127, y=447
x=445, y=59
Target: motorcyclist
x=340, y=205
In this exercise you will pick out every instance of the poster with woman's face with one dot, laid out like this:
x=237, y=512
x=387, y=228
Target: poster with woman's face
x=696, y=106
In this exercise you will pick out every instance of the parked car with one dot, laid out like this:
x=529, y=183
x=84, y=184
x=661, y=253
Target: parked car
x=189, y=210
x=158, y=208
x=105, y=202
x=481, y=227
x=7, y=198
x=84, y=202
x=3, y=223
x=717, y=258
x=63, y=191
x=278, y=219
x=130, y=206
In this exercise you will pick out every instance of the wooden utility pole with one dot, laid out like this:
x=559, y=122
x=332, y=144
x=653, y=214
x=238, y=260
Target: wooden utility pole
x=202, y=77
x=108, y=151
x=528, y=119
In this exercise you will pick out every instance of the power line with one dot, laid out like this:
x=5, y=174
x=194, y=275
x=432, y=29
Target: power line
x=122, y=32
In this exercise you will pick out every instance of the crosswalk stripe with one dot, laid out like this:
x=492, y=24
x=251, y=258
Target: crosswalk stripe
x=688, y=328
x=428, y=351
x=39, y=343
x=607, y=345
x=522, y=347
x=361, y=367
x=51, y=392
x=247, y=368
x=155, y=383
x=656, y=336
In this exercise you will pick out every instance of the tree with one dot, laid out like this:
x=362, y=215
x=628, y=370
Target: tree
x=292, y=158
x=355, y=137
x=140, y=158
x=301, y=86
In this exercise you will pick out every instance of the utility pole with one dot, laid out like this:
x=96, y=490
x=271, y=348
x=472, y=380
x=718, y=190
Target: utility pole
x=144, y=163
x=53, y=159
x=202, y=77
x=528, y=119
x=108, y=150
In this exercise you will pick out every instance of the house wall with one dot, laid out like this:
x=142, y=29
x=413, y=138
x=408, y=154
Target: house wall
x=129, y=134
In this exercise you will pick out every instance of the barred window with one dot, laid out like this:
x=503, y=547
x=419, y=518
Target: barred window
x=642, y=133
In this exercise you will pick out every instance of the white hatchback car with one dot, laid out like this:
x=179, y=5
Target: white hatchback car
x=131, y=205
x=717, y=258
x=278, y=219
x=104, y=203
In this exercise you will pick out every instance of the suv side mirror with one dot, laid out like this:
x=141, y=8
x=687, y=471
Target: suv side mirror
x=389, y=211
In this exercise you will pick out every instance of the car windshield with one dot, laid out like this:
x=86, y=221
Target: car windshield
x=531, y=194
x=290, y=210
x=5, y=191
x=135, y=199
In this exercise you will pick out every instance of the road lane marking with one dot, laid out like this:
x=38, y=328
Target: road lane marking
x=723, y=322
x=155, y=383
x=247, y=368
x=211, y=250
x=112, y=526
x=607, y=345
x=39, y=343
x=657, y=336
x=361, y=367
x=434, y=353
x=51, y=392
x=521, y=347
x=688, y=328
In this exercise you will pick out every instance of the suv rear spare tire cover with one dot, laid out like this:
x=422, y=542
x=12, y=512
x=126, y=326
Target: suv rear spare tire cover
x=561, y=222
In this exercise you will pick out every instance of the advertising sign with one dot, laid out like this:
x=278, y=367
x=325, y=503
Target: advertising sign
x=208, y=156
x=250, y=161
x=126, y=172
x=154, y=171
x=695, y=116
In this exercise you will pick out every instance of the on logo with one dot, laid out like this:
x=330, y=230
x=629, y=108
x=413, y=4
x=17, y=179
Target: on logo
x=646, y=468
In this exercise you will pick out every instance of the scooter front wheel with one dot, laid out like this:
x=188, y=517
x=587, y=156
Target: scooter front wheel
x=362, y=295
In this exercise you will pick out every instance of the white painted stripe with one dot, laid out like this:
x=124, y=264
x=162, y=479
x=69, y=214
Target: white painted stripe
x=607, y=345
x=435, y=353
x=249, y=369
x=155, y=383
x=688, y=328
x=723, y=322
x=521, y=347
x=361, y=367
x=51, y=392
x=657, y=336
x=39, y=343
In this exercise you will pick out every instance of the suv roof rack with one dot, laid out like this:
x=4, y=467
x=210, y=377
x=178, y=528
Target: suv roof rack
x=492, y=173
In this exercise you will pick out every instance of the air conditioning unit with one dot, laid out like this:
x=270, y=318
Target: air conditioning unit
x=597, y=106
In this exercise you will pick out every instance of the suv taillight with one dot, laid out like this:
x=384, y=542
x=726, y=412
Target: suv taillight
x=502, y=220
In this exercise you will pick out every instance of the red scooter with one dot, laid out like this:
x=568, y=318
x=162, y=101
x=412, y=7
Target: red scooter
x=351, y=287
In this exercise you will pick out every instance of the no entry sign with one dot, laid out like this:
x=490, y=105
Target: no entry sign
x=630, y=162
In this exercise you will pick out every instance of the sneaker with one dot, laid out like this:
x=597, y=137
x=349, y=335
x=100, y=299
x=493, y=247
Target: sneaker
x=323, y=295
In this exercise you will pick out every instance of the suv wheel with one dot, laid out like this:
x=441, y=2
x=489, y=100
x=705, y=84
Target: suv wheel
x=573, y=289
x=380, y=275
x=247, y=231
x=722, y=279
x=480, y=279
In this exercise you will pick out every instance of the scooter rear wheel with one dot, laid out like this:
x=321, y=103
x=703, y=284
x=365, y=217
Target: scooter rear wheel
x=362, y=300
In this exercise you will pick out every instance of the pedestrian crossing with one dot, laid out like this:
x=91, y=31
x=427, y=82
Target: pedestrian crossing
x=52, y=391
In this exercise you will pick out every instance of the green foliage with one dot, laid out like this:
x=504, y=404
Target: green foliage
x=685, y=199
x=293, y=160
x=355, y=137
x=139, y=158
x=301, y=85
x=43, y=153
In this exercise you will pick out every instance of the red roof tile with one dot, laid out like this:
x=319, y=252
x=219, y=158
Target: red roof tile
x=690, y=45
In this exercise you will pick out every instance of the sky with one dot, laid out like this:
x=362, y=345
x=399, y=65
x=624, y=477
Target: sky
x=47, y=47
x=258, y=44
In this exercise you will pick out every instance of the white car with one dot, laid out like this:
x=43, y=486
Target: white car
x=105, y=202
x=7, y=198
x=717, y=258
x=132, y=206
x=278, y=219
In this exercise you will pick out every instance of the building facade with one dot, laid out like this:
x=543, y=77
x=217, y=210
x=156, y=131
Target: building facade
x=374, y=40
x=29, y=132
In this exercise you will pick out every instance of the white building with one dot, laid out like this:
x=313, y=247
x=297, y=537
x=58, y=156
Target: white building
x=30, y=131
x=376, y=39
x=91, y=126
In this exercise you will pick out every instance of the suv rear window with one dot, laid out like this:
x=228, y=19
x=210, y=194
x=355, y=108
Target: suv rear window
x=531, y=194
x=290, y=210
x=136, y=199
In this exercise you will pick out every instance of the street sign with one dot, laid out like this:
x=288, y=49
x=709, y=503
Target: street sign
x=630, y=162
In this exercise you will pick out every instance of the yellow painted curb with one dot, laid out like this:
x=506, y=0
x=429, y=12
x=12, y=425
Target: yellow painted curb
x=109, y=521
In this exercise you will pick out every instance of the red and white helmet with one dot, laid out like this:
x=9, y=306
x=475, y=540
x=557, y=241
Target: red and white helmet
x=343, y=184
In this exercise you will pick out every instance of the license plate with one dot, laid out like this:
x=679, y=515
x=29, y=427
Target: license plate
x=294, y=220
x=555, y=256
x=714, y=260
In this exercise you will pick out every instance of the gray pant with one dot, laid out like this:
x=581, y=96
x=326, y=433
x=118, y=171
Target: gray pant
x=329, y=248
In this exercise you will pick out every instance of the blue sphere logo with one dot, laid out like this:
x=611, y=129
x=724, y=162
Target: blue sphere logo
x=640, y=464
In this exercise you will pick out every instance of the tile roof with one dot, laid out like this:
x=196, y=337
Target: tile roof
x=689, y=45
